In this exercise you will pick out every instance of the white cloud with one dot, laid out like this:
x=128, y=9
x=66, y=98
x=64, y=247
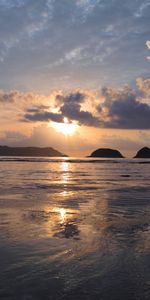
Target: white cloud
x=140, y=11
x=74, y=54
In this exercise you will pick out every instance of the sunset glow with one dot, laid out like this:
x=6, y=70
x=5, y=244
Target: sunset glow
x=75, y=149
x=66, y=128
x=72, y=78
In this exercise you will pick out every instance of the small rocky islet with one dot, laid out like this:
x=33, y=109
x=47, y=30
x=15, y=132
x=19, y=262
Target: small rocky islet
x=143, y=153
x=107, y=153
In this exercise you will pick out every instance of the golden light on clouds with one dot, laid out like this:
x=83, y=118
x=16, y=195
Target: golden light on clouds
x=66, y=128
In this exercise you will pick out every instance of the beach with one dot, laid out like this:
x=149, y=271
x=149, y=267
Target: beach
x=74, y=228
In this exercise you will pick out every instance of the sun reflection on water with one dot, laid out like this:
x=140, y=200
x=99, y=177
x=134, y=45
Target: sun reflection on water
x=65, y=170
x=64, y=166
x=62, y=212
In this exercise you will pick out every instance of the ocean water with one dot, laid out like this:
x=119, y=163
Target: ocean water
x=74, y=229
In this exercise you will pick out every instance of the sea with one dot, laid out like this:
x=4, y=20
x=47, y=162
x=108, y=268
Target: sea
x=74, y=228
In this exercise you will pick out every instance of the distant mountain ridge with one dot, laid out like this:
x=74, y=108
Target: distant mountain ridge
x=107, y=153
x=143, y=153
x=29, y=151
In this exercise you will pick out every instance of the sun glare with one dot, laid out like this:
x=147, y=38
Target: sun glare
x=62, y=213
x=65, y=128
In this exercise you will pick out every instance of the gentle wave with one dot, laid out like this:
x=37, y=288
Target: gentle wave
x=74, y=227
x=74, y=160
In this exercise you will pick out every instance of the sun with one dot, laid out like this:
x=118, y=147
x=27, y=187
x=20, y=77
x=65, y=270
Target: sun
x=67, y=128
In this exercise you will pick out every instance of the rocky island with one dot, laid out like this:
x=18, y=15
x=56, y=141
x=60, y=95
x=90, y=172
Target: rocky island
x=143, y=153
x=29, y=151
x=107, y=153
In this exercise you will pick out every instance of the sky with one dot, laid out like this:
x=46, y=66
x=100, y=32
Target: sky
x=75, y=74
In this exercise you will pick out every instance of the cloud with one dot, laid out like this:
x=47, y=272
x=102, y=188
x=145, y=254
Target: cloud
x=120, y=108
x=144, y=86
x=40, y=116
x=117, y=108
x=76, y=97
x=129, y=114
x=125, y=110
x=7, y=97
x=82, y=39
x=70, y=107
x=142, y=9
x=22, y=100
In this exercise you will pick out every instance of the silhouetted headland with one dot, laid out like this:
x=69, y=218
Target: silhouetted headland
x=106, y=152
x=29, y=151
x=143, y=153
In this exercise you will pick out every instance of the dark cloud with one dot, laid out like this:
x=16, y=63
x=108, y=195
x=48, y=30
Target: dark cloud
x=70, y=107
x=73, y=112
x=117, y=108
x=128, y=113
x=109, y=108
x=73, y=98
x=125, y=110
x=44, y=116
x=37, y=109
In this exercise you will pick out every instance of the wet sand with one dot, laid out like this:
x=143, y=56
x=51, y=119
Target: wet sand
x=74, y=229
